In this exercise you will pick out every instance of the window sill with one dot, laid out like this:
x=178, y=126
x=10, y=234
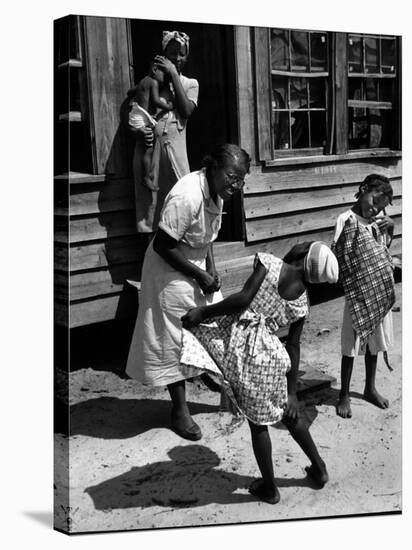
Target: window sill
x=354, y=155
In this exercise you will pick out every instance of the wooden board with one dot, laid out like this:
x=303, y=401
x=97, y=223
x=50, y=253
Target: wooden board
x=263, y=92
x=108, y=74
x=291, y=201
x=245, y=93
x=291, y=224
x=99, y=254
x=336, y=173
x=108, y=196
x=108, y=308
x=95, y=283
x=103, y=226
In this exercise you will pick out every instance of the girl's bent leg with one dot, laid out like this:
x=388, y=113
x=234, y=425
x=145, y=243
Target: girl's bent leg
x=343, y=407
x=182, y=423
x=300, y=433
x=265, y=489
x=370, y=393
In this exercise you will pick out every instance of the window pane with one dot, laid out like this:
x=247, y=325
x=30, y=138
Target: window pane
x=355, y=54
x=281, y=129
x=279, y=93
x=300, y=129
x=370, y=128
x=355, y=88
x=371, y=89
x=388, y=55
x=318, y=128
x=317, y=91
x=298, y=93
x=371, y=55
x=299, y=51
x=318, y=58
x=279, y=49
x=358, y=129
x=386, y=91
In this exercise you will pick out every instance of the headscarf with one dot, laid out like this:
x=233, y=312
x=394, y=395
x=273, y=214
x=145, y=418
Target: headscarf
x=321, y=265
x=180, y=37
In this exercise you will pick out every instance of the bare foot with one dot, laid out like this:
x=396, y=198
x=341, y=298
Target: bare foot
x=259, y=490
x=343, y=407
x=318, y=474
x=376, y=399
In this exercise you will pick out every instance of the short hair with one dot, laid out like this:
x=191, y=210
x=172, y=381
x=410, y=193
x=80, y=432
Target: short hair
x=376, y=182
x=297, y=252
x=221, y=154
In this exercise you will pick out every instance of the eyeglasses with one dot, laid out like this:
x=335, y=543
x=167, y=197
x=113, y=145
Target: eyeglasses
x=235, y=181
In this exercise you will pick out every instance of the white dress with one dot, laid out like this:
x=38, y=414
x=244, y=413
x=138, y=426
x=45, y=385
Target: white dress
x=192, y=218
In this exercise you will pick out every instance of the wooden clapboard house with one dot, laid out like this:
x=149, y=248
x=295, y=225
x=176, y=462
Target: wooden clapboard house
x=316, y=110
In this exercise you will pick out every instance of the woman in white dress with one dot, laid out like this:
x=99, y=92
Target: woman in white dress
x=179, y=273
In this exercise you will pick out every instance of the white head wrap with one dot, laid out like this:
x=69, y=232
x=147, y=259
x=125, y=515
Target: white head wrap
x=180, y=37
x=321, y=265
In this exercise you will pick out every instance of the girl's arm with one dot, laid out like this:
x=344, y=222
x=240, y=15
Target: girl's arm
x=166, y=247
x=232, y=304
x=184, y=105
x=293, y=349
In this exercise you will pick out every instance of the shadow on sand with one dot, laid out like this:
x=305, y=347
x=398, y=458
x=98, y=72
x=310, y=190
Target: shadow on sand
x=191, y=478
x=113, y=418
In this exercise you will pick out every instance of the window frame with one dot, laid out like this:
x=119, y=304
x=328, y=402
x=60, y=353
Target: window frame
x=337, y=139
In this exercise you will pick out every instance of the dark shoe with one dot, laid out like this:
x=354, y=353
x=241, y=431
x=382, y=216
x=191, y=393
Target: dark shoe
x=193, y=433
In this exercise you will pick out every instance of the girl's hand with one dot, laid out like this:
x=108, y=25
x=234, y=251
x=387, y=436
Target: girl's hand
x=292, y=408
x=192, y=318
x=207, y=283
x=165, y=64
x=385, y=224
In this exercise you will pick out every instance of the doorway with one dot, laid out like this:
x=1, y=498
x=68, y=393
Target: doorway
x=212, y=62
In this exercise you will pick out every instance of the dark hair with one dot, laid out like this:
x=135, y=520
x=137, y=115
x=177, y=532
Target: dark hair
x=297, y=252
x=377, y=182
x=224, y=153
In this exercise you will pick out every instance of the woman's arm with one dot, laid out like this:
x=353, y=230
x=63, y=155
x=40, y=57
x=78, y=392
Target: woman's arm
x=166, y=247
x=210, y=266
x=232, y=304
x=293, y=349
x=184, y=106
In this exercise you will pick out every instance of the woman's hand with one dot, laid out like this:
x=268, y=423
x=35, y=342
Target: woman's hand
x=208, y=283
x=165, y=64
x=192, y=318
x=292, y=409
x=216, y=277
x=146, y=133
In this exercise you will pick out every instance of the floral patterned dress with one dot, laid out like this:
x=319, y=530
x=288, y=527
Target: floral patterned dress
x=244, y=352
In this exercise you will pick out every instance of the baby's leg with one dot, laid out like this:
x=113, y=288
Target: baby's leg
x=370, y=393
x=343, y=407
x=265, y=488
x=147, y=168
x=300, y=433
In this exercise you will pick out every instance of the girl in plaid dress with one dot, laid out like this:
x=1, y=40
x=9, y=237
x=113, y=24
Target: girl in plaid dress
x=241, y=348
x=362, y=237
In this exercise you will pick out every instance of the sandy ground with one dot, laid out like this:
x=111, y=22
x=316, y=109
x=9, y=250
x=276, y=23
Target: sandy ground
x=129, y=471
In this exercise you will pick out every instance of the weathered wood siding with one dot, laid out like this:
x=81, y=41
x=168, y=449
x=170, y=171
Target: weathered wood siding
x=96, y=249
x=302, y=203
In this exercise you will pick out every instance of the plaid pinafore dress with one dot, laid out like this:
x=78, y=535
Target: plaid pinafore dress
x=244, y=352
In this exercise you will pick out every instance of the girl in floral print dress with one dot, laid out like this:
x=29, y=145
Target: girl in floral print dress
x=240, y=347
